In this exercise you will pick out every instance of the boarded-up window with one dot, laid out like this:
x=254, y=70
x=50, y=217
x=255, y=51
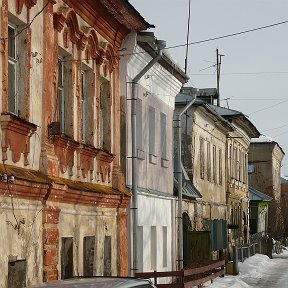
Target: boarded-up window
x=163, y=119
x=202, y=158
x=88, y=255
x=165, y=248
x=17, y=274
x=153, y=247
x=208, y=162
x=151, y=130
x=67, y=258
x=107, y=256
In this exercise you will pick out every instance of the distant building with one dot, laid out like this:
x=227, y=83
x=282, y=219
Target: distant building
x=204, y=179
x=265, y=157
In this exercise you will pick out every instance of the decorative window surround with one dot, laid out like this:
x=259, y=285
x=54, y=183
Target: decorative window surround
x=16, y=134
x=20, y=3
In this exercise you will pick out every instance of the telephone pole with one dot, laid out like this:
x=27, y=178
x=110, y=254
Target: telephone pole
x=218, y=65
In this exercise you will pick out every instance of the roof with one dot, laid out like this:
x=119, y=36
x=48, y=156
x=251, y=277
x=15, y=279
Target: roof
x=262, y=139
x=125, y=13
x=225, y=112
x=188, y=188
x=35, y=176
x=257, y=195
x=166, y=61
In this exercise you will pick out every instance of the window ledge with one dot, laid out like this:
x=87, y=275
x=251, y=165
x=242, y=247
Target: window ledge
x=164, y=163
x=87, y=154
x=64, y=150
x=16, y=136
x=152, y=159
x=104, y=160
x=140, y=154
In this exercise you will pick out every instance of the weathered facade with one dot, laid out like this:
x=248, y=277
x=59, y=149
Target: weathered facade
x=155, y=94
x=203, y=156
x=265, y=157
x=237, y=146
x=284, y=204
x=63, y=200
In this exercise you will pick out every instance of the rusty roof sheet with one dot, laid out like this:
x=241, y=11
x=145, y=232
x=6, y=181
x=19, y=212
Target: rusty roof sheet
x=39, y=177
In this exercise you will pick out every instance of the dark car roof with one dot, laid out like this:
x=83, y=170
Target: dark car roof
x=99, y=282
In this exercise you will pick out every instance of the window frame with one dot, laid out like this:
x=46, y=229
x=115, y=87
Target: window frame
x=14, y=62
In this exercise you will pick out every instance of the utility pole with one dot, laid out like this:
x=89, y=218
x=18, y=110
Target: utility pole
x=218, y=65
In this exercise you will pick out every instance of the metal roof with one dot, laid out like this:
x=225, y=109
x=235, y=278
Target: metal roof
x=188, y=188
x=254, y=194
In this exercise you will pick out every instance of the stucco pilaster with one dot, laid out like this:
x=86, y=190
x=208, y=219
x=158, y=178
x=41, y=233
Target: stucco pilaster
x=123, y=243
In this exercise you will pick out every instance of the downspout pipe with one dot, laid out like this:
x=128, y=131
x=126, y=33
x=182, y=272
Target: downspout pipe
x=179, y=174
x=160, y=46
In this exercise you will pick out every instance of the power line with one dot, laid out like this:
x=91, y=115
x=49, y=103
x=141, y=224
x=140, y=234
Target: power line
x=231, y=35
x=269, y=107
x=241, y=73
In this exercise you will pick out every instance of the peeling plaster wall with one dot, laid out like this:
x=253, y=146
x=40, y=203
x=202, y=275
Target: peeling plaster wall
x=24, y=243
x=77, y=223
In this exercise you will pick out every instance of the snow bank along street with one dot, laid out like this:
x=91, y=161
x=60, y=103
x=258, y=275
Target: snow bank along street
x=258, y=271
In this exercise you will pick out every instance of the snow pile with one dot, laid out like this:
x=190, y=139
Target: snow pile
x=252, y=268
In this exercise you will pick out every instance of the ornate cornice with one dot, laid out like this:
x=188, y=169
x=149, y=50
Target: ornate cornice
x=20, y=3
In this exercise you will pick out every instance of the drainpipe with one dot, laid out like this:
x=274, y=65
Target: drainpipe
x=160, y=45
x=179, y=172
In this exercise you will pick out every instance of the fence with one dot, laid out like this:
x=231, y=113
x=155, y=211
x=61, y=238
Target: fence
x=188, y=277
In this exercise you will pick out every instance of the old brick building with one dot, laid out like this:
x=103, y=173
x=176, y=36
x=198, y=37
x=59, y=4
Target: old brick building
x=63, y=208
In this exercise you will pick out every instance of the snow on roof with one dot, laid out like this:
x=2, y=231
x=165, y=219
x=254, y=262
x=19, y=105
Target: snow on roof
x=262, y=139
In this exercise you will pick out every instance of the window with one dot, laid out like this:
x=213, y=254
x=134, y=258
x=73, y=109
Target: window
x=12, y=71
x=214, y=165
x=139, y=124
x=163, y=123
x=65, y=99
x=105, y=116
x=107, y=256
x=61, y=94
x=87, y=105
x=220, y=167
x=67, y=258
x=88, y=255
x=202, y=158
x=208, y=162
x=165, y=248
x=151, y=130
x=153, y=251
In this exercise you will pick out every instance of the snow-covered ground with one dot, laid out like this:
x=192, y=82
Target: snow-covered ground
x=257, y=271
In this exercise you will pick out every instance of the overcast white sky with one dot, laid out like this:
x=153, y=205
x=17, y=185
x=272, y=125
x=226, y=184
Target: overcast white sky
x=254, y=71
